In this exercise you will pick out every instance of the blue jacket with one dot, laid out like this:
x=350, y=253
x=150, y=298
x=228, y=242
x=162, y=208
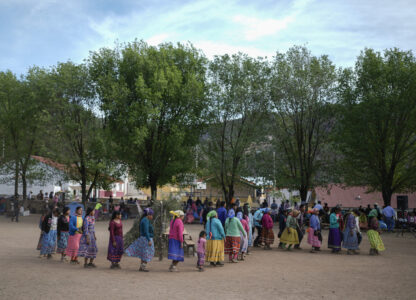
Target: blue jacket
x=258, y=215
x=73, y=225
x=222, y=215
x=216, y=229
x=146, y=229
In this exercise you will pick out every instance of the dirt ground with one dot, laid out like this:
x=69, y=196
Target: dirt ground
x=273, y=274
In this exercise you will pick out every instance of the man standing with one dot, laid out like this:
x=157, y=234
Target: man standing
x=222, y=213
x=389, y=216
x=15, y=211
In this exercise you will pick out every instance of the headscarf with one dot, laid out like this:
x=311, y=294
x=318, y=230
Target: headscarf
x=177, y=213
x=231, y=213
x=211, y=214
x=148, y=211
x=240, y=215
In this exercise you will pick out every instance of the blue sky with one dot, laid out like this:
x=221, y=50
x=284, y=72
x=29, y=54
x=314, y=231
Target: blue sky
x=43, y=32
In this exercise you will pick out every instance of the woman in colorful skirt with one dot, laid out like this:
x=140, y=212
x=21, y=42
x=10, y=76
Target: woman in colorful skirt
x=233, y=229
x=334, y=238
x=376, y=244
x=267, y=234
x=115, y=243
x=350, y=241
x=244, y=240
x=75, y=233
x=175, y=252
x=49, y=228
x=248, y=216
x=215, y=240
x=63, y=233
x=143, y=247
x=290, y=233
x=314, y=231
x=88, y=243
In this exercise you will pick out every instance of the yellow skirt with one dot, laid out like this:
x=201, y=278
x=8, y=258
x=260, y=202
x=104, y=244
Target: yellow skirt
x=214, y=251
x=290, y=238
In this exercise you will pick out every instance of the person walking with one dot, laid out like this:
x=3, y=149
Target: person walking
x=290, y=234
x=49, y=228
x=350, y=240
x=334, y=237
x=267, y=235
x=63, y=233
x=389, y=217
x=75, y=233
x=201, y=250
x=176, y=253
x=314, y=231
x=233, y=228
x=258, y=215
x=301, y=225
x=88, y=243
x=115, y=243
x=215, y=240
x=144, y=247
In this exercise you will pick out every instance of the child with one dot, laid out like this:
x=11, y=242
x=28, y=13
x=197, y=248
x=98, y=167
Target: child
x=201, y=250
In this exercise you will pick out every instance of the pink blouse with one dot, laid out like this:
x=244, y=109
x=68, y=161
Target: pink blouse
x=201, y=245
x=267, y=221
x=176, y=230
x=245, y=225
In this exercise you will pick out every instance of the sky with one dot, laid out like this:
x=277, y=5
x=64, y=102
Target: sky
x=44, y=32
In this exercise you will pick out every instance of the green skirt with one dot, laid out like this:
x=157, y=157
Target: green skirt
x=375, y=240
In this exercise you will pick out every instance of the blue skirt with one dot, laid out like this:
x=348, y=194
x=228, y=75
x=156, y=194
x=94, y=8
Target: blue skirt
x=175, y=251
x=350, y=242
x=48, y=242
x=141, y=249
x=334, y=239
x=62, y=242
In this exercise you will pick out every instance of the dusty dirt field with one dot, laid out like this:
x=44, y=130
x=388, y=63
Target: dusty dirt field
x=273, y=274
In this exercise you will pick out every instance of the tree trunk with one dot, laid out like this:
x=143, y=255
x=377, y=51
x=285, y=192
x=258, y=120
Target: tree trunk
x=24, y=183
x=230, y=193
x=84, y=192
x=153, y=191
x=16, y=179
x=303, y=192
x=387, y=193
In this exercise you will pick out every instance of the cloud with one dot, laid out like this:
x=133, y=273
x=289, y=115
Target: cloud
x=255, y=28
x=211, y=48
x=157, y=39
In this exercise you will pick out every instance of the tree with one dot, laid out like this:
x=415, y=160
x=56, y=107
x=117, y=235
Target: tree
x=377, y=128
x=24, y=116
x=80, y=139
x=153, y=101
x=237, y=102
x=302, y=91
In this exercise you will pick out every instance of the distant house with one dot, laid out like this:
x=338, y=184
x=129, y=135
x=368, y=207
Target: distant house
x=356, y=196
x=243, y=189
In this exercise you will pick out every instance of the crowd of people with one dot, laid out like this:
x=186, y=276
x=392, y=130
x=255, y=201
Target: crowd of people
x=226, y=232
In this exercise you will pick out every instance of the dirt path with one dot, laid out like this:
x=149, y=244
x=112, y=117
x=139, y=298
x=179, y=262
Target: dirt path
x=273, y=274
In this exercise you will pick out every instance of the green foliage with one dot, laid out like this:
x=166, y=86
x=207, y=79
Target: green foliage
x=80, y=140
x=153, y=100
x=237, y=102
x=377, y=132
x=302, y=92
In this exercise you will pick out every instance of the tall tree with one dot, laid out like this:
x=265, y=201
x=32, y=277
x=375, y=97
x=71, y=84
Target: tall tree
x=377, y=132
x=80, y=140
x=302, y=90
x=153, y=100
x=237, y=102
x=25, y=115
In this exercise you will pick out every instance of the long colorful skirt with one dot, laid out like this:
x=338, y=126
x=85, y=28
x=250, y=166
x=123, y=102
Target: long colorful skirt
x=140, y=248
x=175, y=250
x=243, y=243
x=375, y=240
x=232, y=245
x=85, y=250
x=334, y=239
x=267, y=236
x=48, y=242
x=114, y=254
x=313, y=239
x=350, y=242
x=289, y=238
x=40, y=241
x=214, y=250
x=73, y=245
x=250, y=237
x=62, y=242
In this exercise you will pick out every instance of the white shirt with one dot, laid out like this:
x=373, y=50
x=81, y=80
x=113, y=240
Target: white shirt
x=54, y=224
